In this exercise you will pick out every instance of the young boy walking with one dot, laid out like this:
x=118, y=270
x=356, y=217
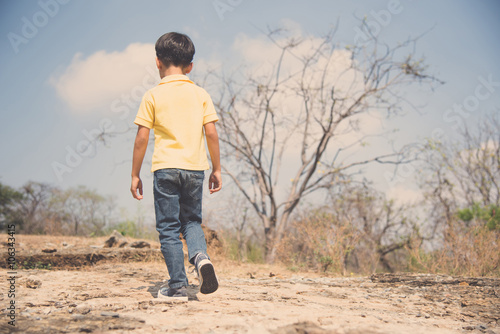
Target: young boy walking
x=179, y=112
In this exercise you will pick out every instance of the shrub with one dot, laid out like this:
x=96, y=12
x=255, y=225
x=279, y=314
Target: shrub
x=466, y=250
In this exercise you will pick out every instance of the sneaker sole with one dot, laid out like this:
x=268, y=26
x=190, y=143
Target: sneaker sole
x=161, y=296
x=208, y=280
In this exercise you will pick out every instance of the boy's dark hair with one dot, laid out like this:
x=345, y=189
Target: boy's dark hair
x=175, y=49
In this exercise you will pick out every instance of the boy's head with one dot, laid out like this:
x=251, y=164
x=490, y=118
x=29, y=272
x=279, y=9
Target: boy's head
x=174, y=49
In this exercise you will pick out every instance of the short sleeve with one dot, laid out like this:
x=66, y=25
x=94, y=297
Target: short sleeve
x=209, y=114
x=146, y=114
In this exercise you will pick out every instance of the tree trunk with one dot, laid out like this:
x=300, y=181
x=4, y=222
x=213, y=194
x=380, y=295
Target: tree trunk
x=269, y=233
x=277, y=235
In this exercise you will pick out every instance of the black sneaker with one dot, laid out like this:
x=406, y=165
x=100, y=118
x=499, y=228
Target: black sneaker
x=206, y=274
x=172, y=293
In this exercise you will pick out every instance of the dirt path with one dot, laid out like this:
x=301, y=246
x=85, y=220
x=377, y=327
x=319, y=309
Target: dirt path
x=90, y=289
x=119, y=298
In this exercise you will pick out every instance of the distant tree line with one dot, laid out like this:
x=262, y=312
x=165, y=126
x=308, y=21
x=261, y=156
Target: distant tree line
x=41, y=208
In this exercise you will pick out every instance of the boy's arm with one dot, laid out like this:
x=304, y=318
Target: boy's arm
x=215, y=180
x=140, y=146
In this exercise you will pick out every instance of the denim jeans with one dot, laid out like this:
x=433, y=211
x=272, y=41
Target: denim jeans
x=178, y=194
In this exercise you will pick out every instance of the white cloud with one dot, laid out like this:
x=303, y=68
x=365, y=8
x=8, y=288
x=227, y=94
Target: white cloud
x=92, y=83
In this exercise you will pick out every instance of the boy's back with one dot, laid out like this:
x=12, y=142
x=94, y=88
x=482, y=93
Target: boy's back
x=177, y=110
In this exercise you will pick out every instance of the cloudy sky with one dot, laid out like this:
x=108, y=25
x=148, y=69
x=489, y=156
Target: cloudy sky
x=72, y=68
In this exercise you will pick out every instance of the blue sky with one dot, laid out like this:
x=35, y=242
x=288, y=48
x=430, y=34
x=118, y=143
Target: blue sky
x=56, y=85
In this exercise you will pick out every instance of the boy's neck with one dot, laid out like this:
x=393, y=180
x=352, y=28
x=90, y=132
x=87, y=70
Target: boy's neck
x=172, y=70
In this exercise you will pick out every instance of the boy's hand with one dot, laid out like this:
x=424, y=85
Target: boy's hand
x=136, y=185
x=140, y=146
x=215, y=182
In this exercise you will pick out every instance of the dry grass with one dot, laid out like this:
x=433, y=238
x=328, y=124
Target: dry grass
x=473, y=251
x=319, y=243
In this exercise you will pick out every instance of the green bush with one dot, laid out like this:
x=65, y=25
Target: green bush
x=486, y=215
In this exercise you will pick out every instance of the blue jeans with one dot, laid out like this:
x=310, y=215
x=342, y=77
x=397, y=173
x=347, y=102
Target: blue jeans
x=178, y=194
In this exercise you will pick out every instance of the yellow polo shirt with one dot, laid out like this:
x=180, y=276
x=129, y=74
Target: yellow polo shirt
x=176, y=110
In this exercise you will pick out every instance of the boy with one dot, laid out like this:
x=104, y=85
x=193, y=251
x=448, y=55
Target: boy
x=178, y=111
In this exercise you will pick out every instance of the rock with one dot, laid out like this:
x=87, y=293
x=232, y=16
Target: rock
x=110, y=314
x=110, y=242
x=115, y=239
x=82, y=309
x=86, y=329
x=140, y=244
x=78, y=317
x=49, y=250
x=33, y=283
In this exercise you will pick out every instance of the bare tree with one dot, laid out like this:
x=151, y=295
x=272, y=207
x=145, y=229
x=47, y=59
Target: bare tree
x=84, y=210
x=385, y=226
x=313, y=92
x=463, y=173
x=357, y=230
x=460, y=179
x=34, y=208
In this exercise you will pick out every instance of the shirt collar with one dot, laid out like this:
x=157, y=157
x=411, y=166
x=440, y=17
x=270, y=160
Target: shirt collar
x=174, y=77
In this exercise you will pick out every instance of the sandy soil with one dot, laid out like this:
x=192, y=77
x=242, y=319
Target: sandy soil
x=114, y=297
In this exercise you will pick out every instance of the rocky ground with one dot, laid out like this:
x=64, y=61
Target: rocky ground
x=116, y=294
